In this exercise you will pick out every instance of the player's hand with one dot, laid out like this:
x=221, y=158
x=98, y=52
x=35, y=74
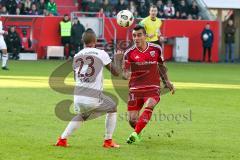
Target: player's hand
x=161, y=39
x=150, y=35
x=170, y=86
x=118, y=55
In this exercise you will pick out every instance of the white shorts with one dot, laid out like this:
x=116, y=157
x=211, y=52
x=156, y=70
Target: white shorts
x=3, y=44
x=92, y=108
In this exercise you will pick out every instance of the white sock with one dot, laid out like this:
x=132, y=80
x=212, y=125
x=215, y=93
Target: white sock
x=72, y=126
x=110, y=123
x=4, y=60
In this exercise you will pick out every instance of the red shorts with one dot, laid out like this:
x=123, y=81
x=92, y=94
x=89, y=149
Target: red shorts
x=137, y=98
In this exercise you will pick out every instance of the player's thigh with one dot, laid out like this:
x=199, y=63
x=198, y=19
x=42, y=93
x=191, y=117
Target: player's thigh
x=135, y=101
x=3, y=46
x=107, y=104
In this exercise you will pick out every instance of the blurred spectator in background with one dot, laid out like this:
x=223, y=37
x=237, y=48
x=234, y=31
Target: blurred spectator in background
x=132, y=7
x=207, y=41
x=18, y=11
x=13, y=42
x=41, y=5
x=193, y=10
x=177, y=15
x=27, y=6
x=52, y=7
x=160, y=6
x=107, y=8
x=169, y=10
x=34, y=10
x=3, y=11
x=121, y=5
x=11, y=6
x=65, y=33
x=77, y=31
x=229, y=31
x=143, y=9
x=93, y=6
x=182, y=7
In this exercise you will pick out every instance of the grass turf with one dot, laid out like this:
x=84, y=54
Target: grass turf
x=196, y=123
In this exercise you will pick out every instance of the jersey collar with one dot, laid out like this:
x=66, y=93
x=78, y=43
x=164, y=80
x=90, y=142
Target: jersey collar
x=144, y=50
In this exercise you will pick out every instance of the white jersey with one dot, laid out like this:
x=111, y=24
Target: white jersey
x=88, y=71
x=88, y=68
x=2, y=42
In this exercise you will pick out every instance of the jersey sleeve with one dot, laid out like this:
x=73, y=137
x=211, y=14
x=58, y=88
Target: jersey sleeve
x=105, y=58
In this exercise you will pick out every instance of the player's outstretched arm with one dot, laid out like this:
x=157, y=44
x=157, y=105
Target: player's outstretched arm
x=163, y=71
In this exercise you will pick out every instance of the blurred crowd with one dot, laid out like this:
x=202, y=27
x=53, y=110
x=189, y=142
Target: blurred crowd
x=169, y=9
x=173, y=9
x=28, y=7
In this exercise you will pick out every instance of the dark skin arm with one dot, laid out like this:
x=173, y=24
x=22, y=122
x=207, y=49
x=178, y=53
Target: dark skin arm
x=112, y=69
x=115, y=66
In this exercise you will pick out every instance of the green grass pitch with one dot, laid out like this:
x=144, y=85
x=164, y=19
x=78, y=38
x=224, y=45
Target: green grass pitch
x=201, y=120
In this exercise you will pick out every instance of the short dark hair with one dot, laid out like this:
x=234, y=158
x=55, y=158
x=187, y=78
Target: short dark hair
x=139, y=27
x=152, y=6
x=89, y=36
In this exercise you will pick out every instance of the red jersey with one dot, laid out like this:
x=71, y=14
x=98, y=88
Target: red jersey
x=143, y=66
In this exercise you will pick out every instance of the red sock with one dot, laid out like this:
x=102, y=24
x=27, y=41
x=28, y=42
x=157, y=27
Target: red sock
x=143, y=119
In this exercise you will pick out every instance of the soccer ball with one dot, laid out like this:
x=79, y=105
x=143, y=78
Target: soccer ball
x=125, y=18
x=205, y=37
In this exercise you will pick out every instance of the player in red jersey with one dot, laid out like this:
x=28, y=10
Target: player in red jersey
x=144, y=61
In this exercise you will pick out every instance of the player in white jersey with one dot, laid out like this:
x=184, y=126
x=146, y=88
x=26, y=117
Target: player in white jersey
x=89, y=101
x=3, y=47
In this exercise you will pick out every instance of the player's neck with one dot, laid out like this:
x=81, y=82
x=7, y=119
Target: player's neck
x=153, y=18
x=143, y=47
x=90, y=46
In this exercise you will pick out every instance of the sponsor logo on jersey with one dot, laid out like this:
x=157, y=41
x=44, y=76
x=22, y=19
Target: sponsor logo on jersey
x=152, y=53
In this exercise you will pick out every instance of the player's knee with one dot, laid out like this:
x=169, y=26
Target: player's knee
x=151, y=103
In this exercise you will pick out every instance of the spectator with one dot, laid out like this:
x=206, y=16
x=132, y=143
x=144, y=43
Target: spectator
x=33, y=11
x=41, y=5
x=52, y=7
x=132, y=7
x=189, y=17
x=178, y=15
x=183, y=7
x=121, y=5
x=27, y=5
x=65, y=33
x=207, y=41
x=11, y=6
x=3, y=11
x=13, y=41
x=143, y=9
x=169, y=10
x=183, y=15
x=46, y=13
x=193, y=10
x=93, y=6
x=107, y=8
x=18, y=11
x=160, y=6
x=136, y=15
x=77, y=31
x=229, y=40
